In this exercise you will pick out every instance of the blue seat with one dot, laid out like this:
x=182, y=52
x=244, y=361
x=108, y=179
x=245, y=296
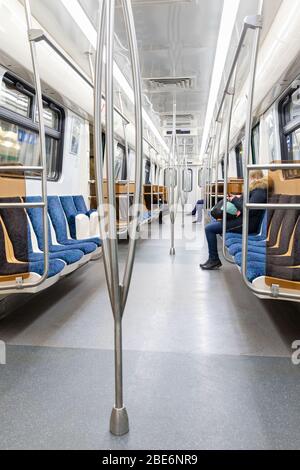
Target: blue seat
x=81, y=206
x=68, y=254
x=233, y=238
x=69, y=257
x=252, y=258
x=255, y=270
x=259, y=247
x=58, y=220
x=56, y=266
x=71, y=212
x=13, y=219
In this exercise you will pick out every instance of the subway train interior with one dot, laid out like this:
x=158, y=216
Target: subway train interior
x=149, y=225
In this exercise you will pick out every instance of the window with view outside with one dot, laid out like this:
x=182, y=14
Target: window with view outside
x=19, y=130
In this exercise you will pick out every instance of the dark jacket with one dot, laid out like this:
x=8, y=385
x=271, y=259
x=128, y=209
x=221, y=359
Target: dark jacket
x=258, y=195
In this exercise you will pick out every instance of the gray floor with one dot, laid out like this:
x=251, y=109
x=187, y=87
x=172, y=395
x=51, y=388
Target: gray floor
x=207, y=365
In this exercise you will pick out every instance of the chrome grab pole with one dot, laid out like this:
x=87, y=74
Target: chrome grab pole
x=184, y=172
x=43, y=156
x=248, y=131
x=250, y=22
x=211, y=163
x=219, y=136
x=231, y=94
x=119, y=424
x=172, y=184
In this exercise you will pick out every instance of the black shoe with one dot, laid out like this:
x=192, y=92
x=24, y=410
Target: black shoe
x=211, y=265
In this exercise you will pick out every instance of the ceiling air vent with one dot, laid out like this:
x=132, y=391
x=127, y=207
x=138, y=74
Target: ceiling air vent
x=169, y=83
x=182, y=120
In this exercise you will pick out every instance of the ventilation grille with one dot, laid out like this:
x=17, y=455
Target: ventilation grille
x=182, y=120
x=169, y=83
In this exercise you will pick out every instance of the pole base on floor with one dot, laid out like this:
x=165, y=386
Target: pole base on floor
x=172, y=252
x=119, y=423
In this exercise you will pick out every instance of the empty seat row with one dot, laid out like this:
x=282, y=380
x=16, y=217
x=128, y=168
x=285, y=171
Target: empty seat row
x=82, y=222
x=22, y=242
x=275, y=251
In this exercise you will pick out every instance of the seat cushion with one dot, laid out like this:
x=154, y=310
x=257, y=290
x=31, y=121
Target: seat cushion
x=55, y=267
x=255, y=270
x=69, y=257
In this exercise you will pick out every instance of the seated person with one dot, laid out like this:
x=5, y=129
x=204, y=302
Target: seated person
x=259, y=186
x=198, y=203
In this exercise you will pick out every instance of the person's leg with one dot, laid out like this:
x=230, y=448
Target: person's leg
x=211, y=232
x=195, y=208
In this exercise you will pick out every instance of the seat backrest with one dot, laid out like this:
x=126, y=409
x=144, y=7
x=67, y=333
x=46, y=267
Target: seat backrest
x=3, y=257
x=36, y=217
x=276, y=221
x=16, y=224
x=9, y=267
x=71, y=212
x=80, y=204
x=286, y=233
x=58, y=218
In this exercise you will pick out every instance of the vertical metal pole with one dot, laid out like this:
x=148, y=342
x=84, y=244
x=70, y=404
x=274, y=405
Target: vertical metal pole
x=219, y=136
x=211, y=172
x=226, y=164
x=42, y=139
x=137, y=83
x=182, y=188
x=172, y=185
x=248, y=133
x=98, y=147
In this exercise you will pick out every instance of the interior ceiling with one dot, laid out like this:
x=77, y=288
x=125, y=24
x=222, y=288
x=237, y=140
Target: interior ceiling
x=176, y=39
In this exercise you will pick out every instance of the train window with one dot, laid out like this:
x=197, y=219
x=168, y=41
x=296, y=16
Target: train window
x=293, y=145
x=120, y=164
x=15, y=98
x=187, y=182
x=147, y=172
x=255, y=144
x=223, y=167
x=239, y=160
x=290, y=130
x=19, y=130
x=52, y=116
x=20, y=145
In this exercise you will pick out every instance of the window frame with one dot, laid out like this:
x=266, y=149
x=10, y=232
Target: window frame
x=29, y=123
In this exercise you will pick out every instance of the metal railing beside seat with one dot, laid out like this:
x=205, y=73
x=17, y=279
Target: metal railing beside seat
x=20, y=285
x=273, y=291
x=118, y=291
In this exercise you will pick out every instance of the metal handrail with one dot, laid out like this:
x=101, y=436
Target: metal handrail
x=119, y=424
x=247, y=167
x=250, y=22
x=172, y=183
x=211, y=163
x=226, y=168
x=183, y=193
x=219, y=136
x=42, y=169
